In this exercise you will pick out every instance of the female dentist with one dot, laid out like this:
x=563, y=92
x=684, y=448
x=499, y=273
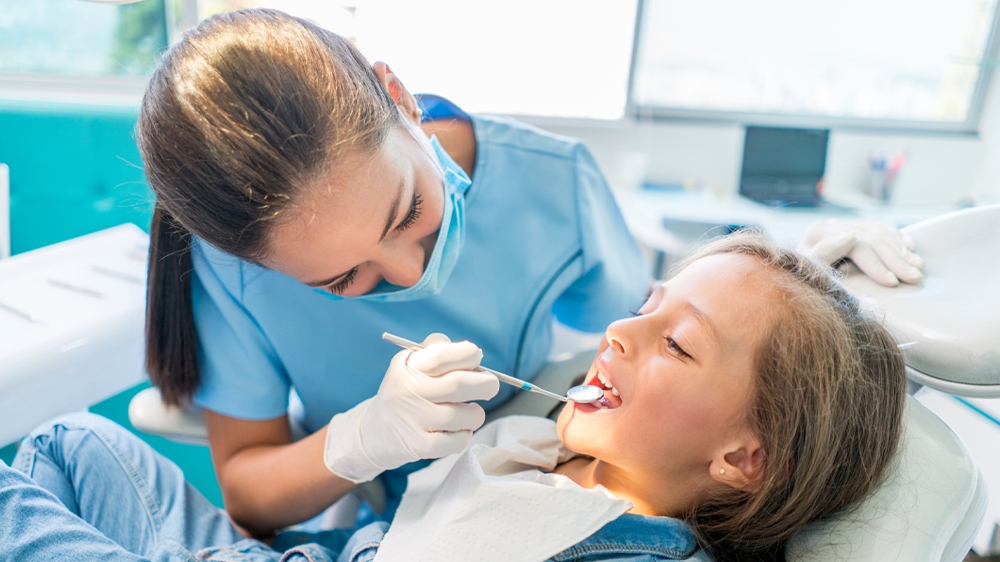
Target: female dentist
x=301, y=212
x=303, y=209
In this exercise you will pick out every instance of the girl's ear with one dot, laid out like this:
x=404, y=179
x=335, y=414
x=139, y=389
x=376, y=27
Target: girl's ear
x=404, y=100
x=739, y=464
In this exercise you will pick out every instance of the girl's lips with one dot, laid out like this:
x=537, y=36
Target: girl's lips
x=612, y=398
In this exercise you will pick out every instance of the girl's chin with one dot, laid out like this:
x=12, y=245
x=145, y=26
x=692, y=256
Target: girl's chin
x=578, y=432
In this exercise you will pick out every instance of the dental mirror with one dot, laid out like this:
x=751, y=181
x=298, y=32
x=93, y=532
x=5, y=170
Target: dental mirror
x=585, y=393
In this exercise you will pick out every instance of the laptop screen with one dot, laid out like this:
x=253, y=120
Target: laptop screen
x=784, y=152
x=783, y=164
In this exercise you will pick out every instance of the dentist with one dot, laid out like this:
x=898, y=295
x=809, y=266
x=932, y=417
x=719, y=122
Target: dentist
x=302, y=209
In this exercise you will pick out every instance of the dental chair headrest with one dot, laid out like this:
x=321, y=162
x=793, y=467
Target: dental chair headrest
x=928, y=508
x=949, y=324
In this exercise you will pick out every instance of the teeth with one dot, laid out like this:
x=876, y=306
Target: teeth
x=603, y=379
x=607, y=383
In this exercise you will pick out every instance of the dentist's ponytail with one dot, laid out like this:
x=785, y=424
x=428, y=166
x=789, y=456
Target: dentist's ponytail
x=241, y=118
x=171, y=339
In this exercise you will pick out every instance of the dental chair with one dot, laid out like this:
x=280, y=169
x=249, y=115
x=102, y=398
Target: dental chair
x=948, y=328
x=933, y=499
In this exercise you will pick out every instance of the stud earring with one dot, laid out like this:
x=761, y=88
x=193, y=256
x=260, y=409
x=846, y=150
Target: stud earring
x=722, y=471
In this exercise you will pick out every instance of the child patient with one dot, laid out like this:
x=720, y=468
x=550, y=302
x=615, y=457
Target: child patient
x=747, y=398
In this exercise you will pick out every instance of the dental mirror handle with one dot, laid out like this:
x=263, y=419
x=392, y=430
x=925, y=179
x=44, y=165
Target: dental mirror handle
x=513, y=381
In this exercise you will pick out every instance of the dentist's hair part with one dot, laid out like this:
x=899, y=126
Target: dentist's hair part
x=827, y=405
x=241, y=115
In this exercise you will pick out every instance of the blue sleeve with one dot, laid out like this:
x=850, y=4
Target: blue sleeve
x=35, y=526
x=364, y=543
x=241, y=374
x=615, y=277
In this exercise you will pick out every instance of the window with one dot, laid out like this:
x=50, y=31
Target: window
x=876, y=63
x=565, y=58
x=885, y=62
x=74, y=38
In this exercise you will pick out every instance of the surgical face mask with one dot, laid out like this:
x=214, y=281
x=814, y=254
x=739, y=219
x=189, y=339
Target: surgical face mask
x=450, y=238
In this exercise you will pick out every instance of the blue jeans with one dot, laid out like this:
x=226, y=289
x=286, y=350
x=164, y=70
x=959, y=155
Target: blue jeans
x=98, y=492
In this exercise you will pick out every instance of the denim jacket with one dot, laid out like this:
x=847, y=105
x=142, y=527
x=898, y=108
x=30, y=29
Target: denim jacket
x=630, y=538
x=637, y=538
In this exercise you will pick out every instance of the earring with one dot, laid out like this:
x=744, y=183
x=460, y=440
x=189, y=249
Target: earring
x=722, y=471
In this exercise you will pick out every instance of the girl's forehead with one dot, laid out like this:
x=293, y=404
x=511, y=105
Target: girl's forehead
x=735, y=293
x=732, y=272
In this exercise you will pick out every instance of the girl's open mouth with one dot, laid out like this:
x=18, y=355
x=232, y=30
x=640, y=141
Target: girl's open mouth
x=612, y=397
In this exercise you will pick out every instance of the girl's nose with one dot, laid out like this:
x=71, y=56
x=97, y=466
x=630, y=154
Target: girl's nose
x=615, y=339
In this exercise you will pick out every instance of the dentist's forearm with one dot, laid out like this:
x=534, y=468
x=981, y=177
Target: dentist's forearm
x=267, y=482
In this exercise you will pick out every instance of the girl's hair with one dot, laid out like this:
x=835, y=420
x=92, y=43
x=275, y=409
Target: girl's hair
x=827, y=406
x=239, y=118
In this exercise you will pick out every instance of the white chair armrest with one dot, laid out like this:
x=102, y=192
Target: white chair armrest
x=149, y=414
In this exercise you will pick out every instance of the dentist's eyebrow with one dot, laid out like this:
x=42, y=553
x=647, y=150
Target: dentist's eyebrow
x=394, y=210
x=331, y=280
x=393, y=213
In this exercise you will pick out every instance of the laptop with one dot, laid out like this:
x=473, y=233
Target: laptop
x=784, y=167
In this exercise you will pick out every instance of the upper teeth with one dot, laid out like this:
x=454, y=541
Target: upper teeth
x=604, y=380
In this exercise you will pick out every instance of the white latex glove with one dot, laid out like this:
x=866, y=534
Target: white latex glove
x=881, y=251
x=418, y=412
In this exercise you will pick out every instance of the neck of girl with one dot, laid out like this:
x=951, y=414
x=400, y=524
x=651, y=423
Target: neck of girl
x=670, y=496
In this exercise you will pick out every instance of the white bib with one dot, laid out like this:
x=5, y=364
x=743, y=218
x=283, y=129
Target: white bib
x=493, y=501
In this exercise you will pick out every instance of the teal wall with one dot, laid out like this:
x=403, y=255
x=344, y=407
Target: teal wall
x=76, y=170
x=73, y=170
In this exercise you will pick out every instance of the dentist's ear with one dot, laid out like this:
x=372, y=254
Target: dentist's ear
x=739, y=464
x=404, y=99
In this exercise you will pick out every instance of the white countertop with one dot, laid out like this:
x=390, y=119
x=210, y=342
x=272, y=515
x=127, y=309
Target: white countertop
x=71, y=326
x=646, y=210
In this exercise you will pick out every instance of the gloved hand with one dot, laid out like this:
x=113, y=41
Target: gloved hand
x=881, y=251
x=418, y=412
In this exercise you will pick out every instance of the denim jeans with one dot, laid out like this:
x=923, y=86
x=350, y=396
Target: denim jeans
x=84, y=488
x=97, y=492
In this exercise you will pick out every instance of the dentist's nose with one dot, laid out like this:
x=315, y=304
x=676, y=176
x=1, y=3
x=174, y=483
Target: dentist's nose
x=404, y=267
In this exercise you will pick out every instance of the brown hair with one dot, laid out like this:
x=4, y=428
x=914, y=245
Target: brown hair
x=240, y=115
x=827, y=406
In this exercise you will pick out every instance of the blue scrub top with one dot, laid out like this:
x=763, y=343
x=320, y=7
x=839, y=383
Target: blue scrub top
x=543, y=237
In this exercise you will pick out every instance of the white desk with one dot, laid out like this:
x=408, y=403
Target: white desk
x=646, y=211
x=71, y=326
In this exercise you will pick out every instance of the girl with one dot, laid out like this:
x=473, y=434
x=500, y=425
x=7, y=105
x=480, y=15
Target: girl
x=748, y=397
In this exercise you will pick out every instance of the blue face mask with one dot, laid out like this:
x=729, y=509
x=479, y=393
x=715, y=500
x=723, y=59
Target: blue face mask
x=451, y=235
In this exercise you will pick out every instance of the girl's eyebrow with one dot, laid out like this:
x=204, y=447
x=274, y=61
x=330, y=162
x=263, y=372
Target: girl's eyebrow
x=703, y=319
x=654, y=286
x=698, y=314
